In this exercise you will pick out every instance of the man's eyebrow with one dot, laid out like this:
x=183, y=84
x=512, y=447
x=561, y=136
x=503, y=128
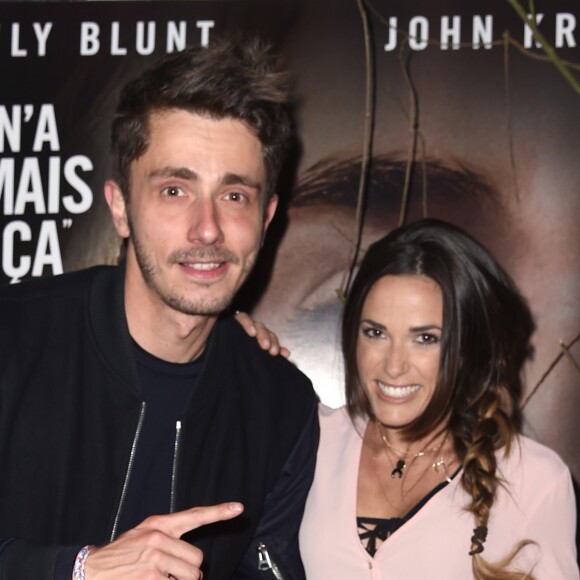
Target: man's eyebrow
x=169, y=171
x=236, y=179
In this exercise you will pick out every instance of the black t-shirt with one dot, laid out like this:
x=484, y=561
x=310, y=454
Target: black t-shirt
x=167, y=388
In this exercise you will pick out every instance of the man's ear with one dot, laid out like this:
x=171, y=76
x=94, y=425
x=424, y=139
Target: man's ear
x=117, y=207
x=270, y=210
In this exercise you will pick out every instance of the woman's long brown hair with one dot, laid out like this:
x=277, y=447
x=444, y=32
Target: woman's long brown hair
x=487, y=327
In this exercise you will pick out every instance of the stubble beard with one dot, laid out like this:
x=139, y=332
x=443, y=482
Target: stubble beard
x=208, y=306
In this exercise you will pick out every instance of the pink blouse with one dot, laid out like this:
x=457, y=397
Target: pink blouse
x=538, y=505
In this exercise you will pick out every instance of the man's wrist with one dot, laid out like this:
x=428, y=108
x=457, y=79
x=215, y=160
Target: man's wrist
x=79, y=567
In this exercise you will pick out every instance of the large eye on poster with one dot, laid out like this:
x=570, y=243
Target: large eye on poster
x=471, y=121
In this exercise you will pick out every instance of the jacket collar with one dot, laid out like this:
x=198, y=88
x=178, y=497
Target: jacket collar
x=111, y=331
x=109, y=323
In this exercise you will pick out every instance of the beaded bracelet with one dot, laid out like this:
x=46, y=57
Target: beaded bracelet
x=79, y=568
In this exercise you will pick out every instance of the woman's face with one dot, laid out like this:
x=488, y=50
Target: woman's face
x=399, y=347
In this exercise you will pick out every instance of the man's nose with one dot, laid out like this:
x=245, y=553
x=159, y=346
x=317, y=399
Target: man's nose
x=204, y=223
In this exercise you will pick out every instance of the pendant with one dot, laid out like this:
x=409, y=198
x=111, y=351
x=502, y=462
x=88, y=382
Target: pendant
x=439, y=465
x=399, y=468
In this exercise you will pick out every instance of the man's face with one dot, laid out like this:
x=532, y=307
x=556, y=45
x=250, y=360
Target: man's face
x=194, y=218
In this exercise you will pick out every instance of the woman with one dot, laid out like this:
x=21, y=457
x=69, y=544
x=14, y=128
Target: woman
x=423, y=474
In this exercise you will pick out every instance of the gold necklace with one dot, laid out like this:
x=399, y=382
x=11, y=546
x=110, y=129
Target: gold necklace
x=401, y=464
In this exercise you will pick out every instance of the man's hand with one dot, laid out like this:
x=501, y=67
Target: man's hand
x=153, y=549
x=267, y=339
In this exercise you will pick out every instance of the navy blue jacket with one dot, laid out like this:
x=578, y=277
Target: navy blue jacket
x=70, y=406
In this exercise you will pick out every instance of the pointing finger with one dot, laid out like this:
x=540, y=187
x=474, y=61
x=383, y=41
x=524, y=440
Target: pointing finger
x=179, y=523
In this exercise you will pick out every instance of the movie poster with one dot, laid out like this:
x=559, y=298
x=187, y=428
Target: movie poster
x=455, y=107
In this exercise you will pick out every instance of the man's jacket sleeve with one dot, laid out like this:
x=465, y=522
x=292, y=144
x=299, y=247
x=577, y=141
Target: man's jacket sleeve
x=274, y=552
x=21, y=560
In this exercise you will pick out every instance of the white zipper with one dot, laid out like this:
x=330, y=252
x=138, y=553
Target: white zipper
x=174, y=466
x=129, y=469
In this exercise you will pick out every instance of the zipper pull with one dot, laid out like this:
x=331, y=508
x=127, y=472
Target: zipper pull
x=264, y=562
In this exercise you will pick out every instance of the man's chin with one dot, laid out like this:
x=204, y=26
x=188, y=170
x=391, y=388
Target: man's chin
x=208, y=306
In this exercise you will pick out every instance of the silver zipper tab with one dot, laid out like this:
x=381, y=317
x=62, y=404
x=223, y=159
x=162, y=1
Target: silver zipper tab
x=174, y=467
x=265, y=562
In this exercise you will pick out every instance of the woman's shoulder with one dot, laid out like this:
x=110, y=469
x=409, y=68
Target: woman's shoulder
x=530, y=461
x=325, y=412
x=332, y=416
x=534, y=451
x=337, y=421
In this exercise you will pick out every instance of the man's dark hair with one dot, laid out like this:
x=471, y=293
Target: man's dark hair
x=237, y=79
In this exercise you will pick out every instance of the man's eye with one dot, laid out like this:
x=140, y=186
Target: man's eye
x=173, y=191
x=236, y=196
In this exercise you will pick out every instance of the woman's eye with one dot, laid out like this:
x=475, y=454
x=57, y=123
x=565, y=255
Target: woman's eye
x=427, y=339
x=371, y=332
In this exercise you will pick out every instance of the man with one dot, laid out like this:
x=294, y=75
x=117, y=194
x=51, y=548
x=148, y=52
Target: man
x=123, y=393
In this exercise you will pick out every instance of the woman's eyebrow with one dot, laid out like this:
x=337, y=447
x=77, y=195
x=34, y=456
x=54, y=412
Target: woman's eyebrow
x=425, y=328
